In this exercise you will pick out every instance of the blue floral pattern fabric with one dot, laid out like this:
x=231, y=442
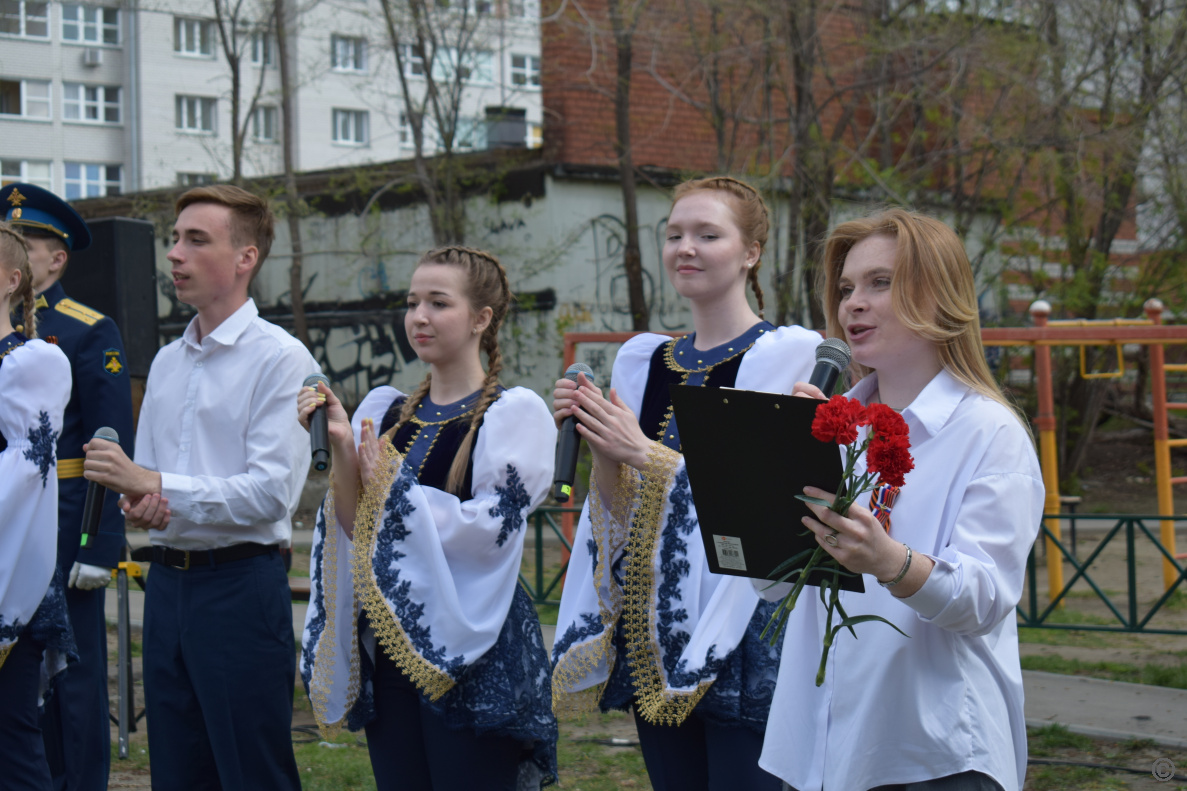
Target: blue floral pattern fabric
x=513, y=498
x=51, y=627
x=42, y=441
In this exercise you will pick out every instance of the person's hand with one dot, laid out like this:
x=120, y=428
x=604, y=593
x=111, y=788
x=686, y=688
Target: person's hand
x=106, y=463
x=370, y=456
x=858, y=541
x=337, y=421
x=150, y=512
x=805, y=390
x=85, y=577
x=564, y=397
x=609, y=427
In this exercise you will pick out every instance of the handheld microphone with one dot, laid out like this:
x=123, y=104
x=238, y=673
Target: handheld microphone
x=832, y=357
x=568, y=443
x=92, y=509
x=319, y=433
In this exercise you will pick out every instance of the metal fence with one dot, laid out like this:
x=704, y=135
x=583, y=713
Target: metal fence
x=542, y=520
x=1130, y=616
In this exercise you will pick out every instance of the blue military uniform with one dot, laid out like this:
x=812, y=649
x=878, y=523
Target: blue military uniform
x=75, y=726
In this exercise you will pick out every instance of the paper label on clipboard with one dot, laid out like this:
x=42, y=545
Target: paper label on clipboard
x=729, y=552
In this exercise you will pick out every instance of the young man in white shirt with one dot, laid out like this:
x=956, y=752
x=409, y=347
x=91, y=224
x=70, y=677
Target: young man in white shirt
x=220, y=464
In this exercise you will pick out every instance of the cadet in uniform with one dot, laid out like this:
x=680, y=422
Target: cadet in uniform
x=75, y=724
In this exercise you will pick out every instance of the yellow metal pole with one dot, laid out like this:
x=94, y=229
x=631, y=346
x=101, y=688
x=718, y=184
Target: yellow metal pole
x=1048, y=458
x=1162, y=451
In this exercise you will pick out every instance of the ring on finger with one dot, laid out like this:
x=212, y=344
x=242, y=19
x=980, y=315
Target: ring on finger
x=831, y=539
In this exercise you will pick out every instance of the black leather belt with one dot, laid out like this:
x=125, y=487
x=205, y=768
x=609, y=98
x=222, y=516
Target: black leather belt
x=188, y=558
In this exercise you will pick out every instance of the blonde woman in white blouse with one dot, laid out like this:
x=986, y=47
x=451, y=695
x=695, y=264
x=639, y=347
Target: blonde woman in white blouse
x=940, y=709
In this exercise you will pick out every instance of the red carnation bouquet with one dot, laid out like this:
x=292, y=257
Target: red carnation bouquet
x=888, y=458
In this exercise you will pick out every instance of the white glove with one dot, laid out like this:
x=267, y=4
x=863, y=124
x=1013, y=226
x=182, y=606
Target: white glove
x=86, y=577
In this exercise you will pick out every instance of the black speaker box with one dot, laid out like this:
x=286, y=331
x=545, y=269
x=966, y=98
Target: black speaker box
x=117, y=276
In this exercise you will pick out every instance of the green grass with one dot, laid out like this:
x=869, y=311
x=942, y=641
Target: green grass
x=1044, y=741
x=346, y=768
x=1156, y=675
x=1080, y=778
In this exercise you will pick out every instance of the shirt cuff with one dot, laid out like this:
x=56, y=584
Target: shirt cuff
x=179, y=491
x=937, y=591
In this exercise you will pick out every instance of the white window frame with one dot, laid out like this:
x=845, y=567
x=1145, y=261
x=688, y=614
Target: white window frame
x=404, y=134
x=24, y=18
x=92, y=174
x=263, y=49
x=100, y=29
x=189, y=35
x=96, y=99
x=195, y=115
x=527, y=73
x=414, y=63
x=523, y=9
x=466, y=132
x=264, y=123
x=45, y=100
x=350, y=127
x=26, y=173
x=348, y=53
x=196, y=179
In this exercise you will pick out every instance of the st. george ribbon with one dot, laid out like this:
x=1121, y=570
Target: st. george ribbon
x=568, y=443
x=92, y=509
x=832, y=357
x=319, y=434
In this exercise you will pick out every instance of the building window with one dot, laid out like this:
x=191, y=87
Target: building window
x=263, y=124
x=97, y=103
x=479, y=66
x=523, y=8
x=195, y=179
x=84, y=180
x=404, y=131
x=27, y=171
x=26, y=98
x=193, y=37
x=535, y=136
x=263, y=50
x=24, y=18
x=469, y=134
x=88, y=24
x=195, y=114
x=525, y=70
x=414, y=61
x=350, y=127
x=348, y=54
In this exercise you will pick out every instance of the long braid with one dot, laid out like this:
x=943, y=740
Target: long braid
x=750, y=212
x=14, y=254
x=410, y=405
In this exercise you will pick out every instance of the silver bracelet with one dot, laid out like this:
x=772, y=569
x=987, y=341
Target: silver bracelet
x=901, y=573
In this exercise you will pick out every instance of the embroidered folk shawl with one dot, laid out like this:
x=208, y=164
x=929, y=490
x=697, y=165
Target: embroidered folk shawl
x=35, y=383
x=434, y=574
x=681, y=621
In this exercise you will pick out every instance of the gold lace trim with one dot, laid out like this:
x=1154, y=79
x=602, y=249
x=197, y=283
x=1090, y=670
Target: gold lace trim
x=580, y=661
x=428, y=678
x=670, y=362
x=318, y=687
x=5, y=651
x=654, y=702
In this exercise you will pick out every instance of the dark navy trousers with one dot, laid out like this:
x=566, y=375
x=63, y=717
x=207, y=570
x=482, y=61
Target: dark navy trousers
x=412, y=749
x=219, y=669
x=22, y=755
x=75, y=724
x=701, y=755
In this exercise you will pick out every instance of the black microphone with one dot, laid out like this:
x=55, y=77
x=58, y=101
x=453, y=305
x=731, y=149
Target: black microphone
x=832, y=357
x=319, y=432
x=92, y=509
x=568, y=443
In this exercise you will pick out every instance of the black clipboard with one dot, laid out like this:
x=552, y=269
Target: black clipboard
x=748, y=454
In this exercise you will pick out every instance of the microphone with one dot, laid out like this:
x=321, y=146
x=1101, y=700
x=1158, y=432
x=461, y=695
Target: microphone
x=832, y=357
x=319, y=433
x=92, y=509
x=568, y=443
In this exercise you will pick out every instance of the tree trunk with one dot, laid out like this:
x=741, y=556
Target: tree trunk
x=292, y=197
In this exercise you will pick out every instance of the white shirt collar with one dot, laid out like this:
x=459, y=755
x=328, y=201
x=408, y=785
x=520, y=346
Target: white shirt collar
x=931, y=408
x=228, y=332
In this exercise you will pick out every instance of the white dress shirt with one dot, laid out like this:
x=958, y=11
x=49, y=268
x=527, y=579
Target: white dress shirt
x=948, y=698
x=219, y=423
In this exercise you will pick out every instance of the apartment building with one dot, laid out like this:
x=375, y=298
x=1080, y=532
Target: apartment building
x=100, y=99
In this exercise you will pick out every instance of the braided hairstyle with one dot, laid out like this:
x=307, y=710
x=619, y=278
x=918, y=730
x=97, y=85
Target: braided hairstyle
x=750, y=214
x=486, y=286
x=14, y=254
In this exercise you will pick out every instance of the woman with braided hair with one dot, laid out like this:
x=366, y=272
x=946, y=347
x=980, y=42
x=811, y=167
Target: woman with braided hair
x=35, y=383
x=643, y=622
x=418, y=629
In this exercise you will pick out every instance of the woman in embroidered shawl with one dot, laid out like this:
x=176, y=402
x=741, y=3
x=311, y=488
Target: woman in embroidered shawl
x=940, y=709
x=418, y=629
x=35, y=386
x=643, y=622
